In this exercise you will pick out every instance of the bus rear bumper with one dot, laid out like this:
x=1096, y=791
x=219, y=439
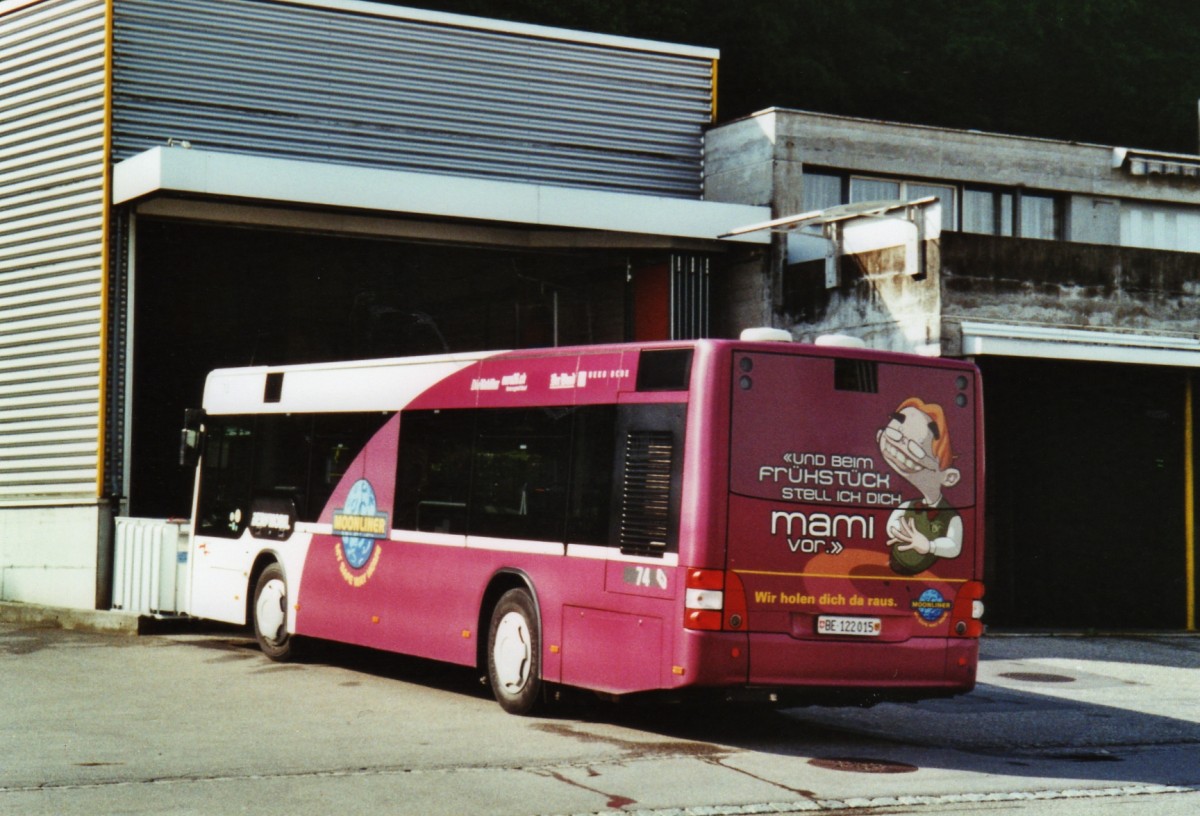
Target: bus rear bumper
x=844, y=670
x=918, y=662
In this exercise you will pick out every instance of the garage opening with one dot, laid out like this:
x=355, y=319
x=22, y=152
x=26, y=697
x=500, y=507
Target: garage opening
x=1085, y=495
x=208, y=296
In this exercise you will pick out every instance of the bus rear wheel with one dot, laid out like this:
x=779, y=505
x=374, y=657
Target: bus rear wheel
x=270, y=615
x=514, y=653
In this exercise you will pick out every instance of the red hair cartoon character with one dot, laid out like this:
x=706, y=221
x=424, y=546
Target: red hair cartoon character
x=916, y=444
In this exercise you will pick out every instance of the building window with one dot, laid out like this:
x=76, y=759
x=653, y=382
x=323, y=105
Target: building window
x=987, y=212
x=1160, y=227
x=868, y=189
x=873, y=189
x=821, y=191
x=945, y=193
x=1037, y=216
x=824, y=190
x=1009, y=213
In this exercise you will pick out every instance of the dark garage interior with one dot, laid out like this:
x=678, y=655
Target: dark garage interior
x=213, y=296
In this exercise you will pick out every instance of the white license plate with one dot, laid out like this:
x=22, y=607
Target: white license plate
x=835, y=625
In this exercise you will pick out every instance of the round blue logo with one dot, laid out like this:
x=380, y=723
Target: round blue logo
x=359, y=524
x=931, y=606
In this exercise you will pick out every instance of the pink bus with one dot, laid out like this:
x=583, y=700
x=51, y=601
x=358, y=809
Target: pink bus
x=759, y=520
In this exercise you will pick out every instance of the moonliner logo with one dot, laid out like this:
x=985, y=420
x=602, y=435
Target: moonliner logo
x=359, y=525
x=931, y=607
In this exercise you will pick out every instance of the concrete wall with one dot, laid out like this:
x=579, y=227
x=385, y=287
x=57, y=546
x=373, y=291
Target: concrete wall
x=48, y=555
x=739, y=162
x=876, y=301
x=753, y=161
x=1054, y=283
x=742, y=284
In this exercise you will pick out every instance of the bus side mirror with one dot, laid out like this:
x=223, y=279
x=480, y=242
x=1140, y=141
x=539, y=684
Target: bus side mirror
x=191, y=438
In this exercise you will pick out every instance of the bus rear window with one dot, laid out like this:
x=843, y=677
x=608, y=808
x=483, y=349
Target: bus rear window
x=664, y=370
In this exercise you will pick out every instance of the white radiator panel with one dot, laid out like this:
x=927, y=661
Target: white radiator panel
x=150, y=569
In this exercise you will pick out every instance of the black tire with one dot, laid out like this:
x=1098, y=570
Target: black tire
x=269, y=615
x=514, y=661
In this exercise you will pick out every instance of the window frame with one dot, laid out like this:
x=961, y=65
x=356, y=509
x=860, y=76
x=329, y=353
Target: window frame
x=593, y=501
x=950, y=212
x=257, y=480
x=1008, y=218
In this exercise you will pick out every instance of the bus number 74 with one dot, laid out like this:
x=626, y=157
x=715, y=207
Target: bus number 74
x=646, y=576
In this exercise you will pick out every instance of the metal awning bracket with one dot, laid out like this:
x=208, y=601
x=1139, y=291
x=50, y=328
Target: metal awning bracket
x=848, y=229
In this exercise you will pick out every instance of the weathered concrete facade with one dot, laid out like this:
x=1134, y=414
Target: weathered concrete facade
x=1054, y=283
x=1070, y=273
x=1079, y=281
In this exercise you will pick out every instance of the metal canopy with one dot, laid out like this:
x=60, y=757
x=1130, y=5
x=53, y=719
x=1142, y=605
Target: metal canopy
x=179, y=171
x=848, y=229
x=983, y=338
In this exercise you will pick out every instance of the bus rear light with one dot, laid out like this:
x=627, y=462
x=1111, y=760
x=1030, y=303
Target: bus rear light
x=968, y=610
x=703, y=619
x=715, y=600
x=704, y=599
x=704, y=609
x=705, y=579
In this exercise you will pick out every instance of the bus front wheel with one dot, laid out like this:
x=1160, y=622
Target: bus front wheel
x=514, y=653
x=270, y=615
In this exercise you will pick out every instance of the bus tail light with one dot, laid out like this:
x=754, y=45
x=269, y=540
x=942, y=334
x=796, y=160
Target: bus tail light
x=705, y=599
x=968, y=610
x=715, y=600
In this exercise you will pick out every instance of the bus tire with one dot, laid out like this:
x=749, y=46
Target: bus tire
x=514, y=653
x=269, y=617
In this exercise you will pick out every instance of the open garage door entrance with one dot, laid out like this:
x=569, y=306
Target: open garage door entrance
x=207, y=296
x=1086, y=494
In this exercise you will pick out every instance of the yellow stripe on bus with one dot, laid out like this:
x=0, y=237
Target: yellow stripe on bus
x=928, y=579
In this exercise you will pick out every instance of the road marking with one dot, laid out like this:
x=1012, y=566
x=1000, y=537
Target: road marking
x=867, y=803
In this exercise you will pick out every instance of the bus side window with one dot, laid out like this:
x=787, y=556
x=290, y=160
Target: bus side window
x=225, y=477
x=589, y=502
x=331, y=443
x=434, y=470
x=519, y=484
x=281, y=463
x=278, y=465
x=542, y=474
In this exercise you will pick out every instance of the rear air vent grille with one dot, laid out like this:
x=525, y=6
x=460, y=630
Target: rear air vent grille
x=646, y=496
x=856, y=375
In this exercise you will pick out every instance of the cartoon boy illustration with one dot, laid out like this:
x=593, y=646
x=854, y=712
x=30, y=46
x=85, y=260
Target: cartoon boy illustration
x=916, y=444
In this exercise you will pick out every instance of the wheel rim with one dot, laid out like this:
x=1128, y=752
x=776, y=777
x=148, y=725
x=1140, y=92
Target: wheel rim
x=512, y=652
x=269, y=610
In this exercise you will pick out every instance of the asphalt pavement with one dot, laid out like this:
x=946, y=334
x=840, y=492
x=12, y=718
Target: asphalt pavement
x=189, y=718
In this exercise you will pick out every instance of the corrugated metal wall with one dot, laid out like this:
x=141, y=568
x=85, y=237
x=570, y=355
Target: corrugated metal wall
x=51, y=219
x=335, y=85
